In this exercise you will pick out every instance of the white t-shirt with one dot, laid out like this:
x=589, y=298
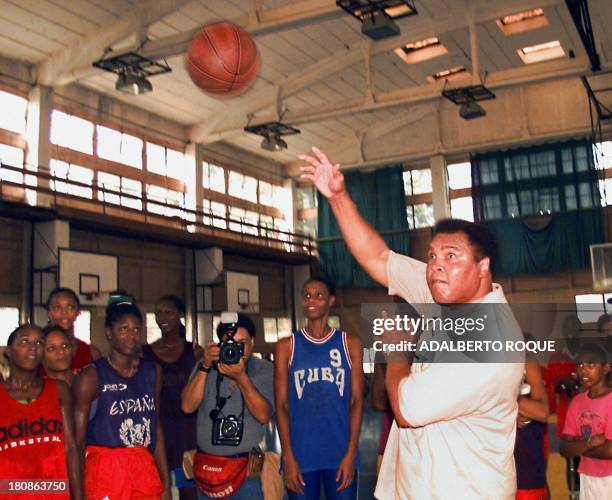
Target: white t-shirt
x=463, y=416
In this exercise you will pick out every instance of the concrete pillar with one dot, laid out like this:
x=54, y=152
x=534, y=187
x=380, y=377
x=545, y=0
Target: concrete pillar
x=38, y=133
x=48, y=238
x=439, y=184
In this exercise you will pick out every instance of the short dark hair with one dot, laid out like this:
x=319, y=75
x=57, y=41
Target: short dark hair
x=592, y=353
x=67, y=291
x=331, y=288
x=13, y=335
x=243, y=322
x=114, y=312
x=55, y=328
x=175, y=300
x=478, y=235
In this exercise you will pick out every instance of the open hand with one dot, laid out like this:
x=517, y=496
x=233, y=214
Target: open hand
x=324, y=175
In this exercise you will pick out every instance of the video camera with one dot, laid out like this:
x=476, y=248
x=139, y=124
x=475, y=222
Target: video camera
x=230, y=351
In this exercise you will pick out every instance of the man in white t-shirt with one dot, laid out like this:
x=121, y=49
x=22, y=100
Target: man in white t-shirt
x=454, y=430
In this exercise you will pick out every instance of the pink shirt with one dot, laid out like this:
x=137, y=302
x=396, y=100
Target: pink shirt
x=587, y=417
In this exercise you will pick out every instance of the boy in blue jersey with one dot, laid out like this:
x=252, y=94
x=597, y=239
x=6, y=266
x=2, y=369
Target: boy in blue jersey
x=318, y=385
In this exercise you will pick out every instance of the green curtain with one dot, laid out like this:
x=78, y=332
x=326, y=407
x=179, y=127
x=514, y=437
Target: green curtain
x=562, y=244
x=379, y=196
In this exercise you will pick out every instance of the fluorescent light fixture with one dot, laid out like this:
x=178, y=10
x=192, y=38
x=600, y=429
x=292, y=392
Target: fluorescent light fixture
x=273, y=143
x=421, y=50
x=541, y=52
x=133, y=84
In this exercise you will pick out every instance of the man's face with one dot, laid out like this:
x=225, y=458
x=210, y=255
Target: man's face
x=453, y=274
x=242, y=336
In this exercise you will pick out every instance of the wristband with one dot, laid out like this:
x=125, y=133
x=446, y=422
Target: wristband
x=202, y=368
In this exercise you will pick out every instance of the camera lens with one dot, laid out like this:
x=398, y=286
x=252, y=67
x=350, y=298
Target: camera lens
x=229, y=428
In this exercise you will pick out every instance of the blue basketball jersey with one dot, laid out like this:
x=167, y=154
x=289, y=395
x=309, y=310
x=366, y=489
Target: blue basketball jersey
x=319, y=399
x=124, y=415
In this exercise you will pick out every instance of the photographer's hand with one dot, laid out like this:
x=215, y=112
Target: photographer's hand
x=235, y=372
x=211, y=354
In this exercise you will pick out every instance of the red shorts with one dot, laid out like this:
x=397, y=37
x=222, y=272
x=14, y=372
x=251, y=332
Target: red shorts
x=534, y=494
x=121, y=474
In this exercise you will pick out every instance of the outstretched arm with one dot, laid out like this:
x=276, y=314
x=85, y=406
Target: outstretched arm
x=362, y=240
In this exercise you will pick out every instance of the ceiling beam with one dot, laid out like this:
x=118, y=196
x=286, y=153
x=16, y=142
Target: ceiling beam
x=257, y=22
x=425, y=93
x=65, y=66
x=236, y=117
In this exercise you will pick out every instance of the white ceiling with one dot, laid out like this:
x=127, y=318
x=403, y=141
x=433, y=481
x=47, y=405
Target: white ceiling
x=318, y=57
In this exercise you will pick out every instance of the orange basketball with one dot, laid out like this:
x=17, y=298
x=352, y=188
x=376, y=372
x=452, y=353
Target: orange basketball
x=222, y=58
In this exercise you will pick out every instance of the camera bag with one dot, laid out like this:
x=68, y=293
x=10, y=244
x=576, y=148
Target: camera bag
x=219, y=477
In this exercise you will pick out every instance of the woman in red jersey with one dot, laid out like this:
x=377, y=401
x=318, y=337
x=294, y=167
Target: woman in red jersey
x=58, y=354
x=63, y=308
x=38, y=450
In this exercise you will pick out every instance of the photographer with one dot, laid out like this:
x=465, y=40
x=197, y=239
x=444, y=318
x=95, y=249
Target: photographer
x=234, y=396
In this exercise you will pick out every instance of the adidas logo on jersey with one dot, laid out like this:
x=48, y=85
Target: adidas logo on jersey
x=24, y=428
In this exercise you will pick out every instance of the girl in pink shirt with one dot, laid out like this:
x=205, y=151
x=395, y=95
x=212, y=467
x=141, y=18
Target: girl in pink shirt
x=588, y=425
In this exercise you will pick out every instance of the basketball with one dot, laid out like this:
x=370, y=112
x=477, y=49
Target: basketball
x=222, y=59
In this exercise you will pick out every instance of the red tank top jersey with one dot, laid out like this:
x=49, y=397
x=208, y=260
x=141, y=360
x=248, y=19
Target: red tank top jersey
x=83, y=357
x=32, y=439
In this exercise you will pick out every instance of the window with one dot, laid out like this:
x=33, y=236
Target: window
x=282, y=198
x=153, y=331
x=167, y=196
x=13, y=115
x=74, y=173
x=156, y=158
x=177, y=165
x=307, y=227
x=421, y=50
x=541, y=52
x=462, y=208
x=242, y=186
x=13, y=157
x=9, y=320
x=306, y=197
x=448, y=74
x=417, y=181
x=236, y=214
x=276, y=329
x=72, y=132
x=252, y=219
x=266, y=222
x=538, y=180
x=522, y=21
x=216, y=214
x=213, y=177
x=114, y=184
x=459, y=175
x=265, y=193
x=119, y=147
x=169, y=162
x=420, y=215
x=82, y=326
x=602, y=153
